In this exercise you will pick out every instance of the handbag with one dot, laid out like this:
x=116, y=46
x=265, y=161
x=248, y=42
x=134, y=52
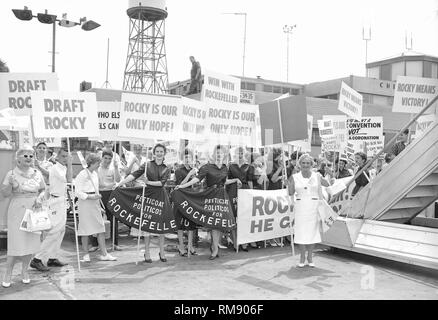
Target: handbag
x=35, y=221
x=327, y=215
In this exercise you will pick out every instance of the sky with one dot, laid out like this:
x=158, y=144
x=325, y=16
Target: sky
x=326, y=43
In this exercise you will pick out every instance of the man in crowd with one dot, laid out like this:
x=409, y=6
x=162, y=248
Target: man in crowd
x=59, y=175
x=401, y=145
x=108, y=177
x=195, y=76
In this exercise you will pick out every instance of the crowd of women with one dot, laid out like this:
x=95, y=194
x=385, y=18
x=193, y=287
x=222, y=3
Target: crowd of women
x=32, y=183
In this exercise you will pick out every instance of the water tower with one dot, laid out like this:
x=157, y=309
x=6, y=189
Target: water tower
x=146, y=62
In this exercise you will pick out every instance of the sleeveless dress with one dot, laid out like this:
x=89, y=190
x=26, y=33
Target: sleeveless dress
x=307, y=221
x=21, y=243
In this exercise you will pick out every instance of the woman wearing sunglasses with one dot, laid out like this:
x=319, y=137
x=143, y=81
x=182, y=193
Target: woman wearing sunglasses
x=26, y=186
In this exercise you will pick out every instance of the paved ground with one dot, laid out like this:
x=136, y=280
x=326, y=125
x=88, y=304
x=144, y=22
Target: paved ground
x=267, y=273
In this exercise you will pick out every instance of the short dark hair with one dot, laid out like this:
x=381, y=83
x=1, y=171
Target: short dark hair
x=362, y=155
x=344, y=161
x=106, y=153
x=40, y=143
x=406, y=131
x=159, y=145
x=388, y=157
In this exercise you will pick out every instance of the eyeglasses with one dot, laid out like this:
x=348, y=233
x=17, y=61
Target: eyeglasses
x=28, y=156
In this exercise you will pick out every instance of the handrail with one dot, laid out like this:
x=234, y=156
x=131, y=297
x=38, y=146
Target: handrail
x=369, y=162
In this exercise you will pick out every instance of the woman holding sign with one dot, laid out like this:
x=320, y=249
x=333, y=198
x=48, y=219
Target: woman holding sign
x=89, y=208
x=155, y=174
x=306, y=185
x=239, y=170
x=213, y=203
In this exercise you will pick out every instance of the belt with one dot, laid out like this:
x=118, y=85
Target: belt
x=311, y=199
x=89, y=192
x=54, y=196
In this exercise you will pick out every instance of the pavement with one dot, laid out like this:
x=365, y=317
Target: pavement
x=260, y=274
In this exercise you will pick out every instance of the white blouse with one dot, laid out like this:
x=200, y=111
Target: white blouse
x=84, y=185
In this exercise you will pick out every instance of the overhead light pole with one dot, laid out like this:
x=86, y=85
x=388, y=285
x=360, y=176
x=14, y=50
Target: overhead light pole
x=366, y=36
x=288, y=30
x=46, y=18
x=244, y=38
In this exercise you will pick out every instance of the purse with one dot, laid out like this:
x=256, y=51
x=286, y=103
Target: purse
x=36, y=221
x=327, y=215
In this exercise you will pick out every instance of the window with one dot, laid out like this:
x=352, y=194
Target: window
x=398, y=69
x=250, y=86
x=267, y=88
x=316, y=139
x=367, y=98
x=277, y=89
x=286, y=90
x=385, y=72
x=373, y=73
x=296, y=91
x=173, y=91
x=434, y=72
x=414, y=68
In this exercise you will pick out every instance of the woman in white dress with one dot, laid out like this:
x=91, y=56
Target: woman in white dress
x=305, y=185
x=89, y=209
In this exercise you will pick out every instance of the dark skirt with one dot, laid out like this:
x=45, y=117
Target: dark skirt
x=183, y=223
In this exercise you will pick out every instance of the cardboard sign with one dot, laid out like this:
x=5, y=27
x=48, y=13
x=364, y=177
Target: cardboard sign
x=194, y=117
x=350, y=102
x=305, y=145
x=25, y=137
x=366, y=132
x=15, y=89
x=220, y=90
x=247, y=97
x=339, y=130
x=233, y=125
x=151, y=116
x=329, y=143
x=422, y=123
x=412, y=94
x=64, y=114
x=263, y=215
x=108, y=113
x=325, y=127
x=294, y=120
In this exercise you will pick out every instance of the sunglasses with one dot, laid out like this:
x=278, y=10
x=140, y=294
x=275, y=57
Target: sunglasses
x=27, y=156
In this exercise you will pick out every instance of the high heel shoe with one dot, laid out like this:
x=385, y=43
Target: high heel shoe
x=182, y=254
x=212, y=257
x=193, y=253
x=147, y=260
x=162, y=259
x=26, y=281
x=6, y=284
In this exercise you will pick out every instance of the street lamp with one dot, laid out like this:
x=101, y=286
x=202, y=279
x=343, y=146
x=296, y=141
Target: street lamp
x=288, y=30
x=26, y=15
x=244, y=38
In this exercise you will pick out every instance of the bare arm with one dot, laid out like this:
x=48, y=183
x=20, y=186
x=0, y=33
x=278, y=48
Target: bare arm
x=188, y=184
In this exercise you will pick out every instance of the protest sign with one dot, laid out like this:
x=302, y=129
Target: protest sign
x=220, y=90
x=339, y=130
x=350, y=102
x=367, y=130
x=233, y=125
x=64, y=114
x=422, y=123
x=247, y=97
x=108, y=113
x=350, y=151
x=263, y=215
x=210, y=208
x=329, y=143
x=325, y=127
x=126, y=203
x=294, y=120
x=151, y=116
x=15, y=89
x=412, y=94
x=194, y=117
x=26, y=138
x=305, y=145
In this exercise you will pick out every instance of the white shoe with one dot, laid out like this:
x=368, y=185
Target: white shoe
x=6, y=284
x=108, y=257
x=86, y=258
x=301, y=265
x=26, y=281
x=311, y=264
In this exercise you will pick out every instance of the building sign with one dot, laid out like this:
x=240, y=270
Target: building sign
x=247, y=96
